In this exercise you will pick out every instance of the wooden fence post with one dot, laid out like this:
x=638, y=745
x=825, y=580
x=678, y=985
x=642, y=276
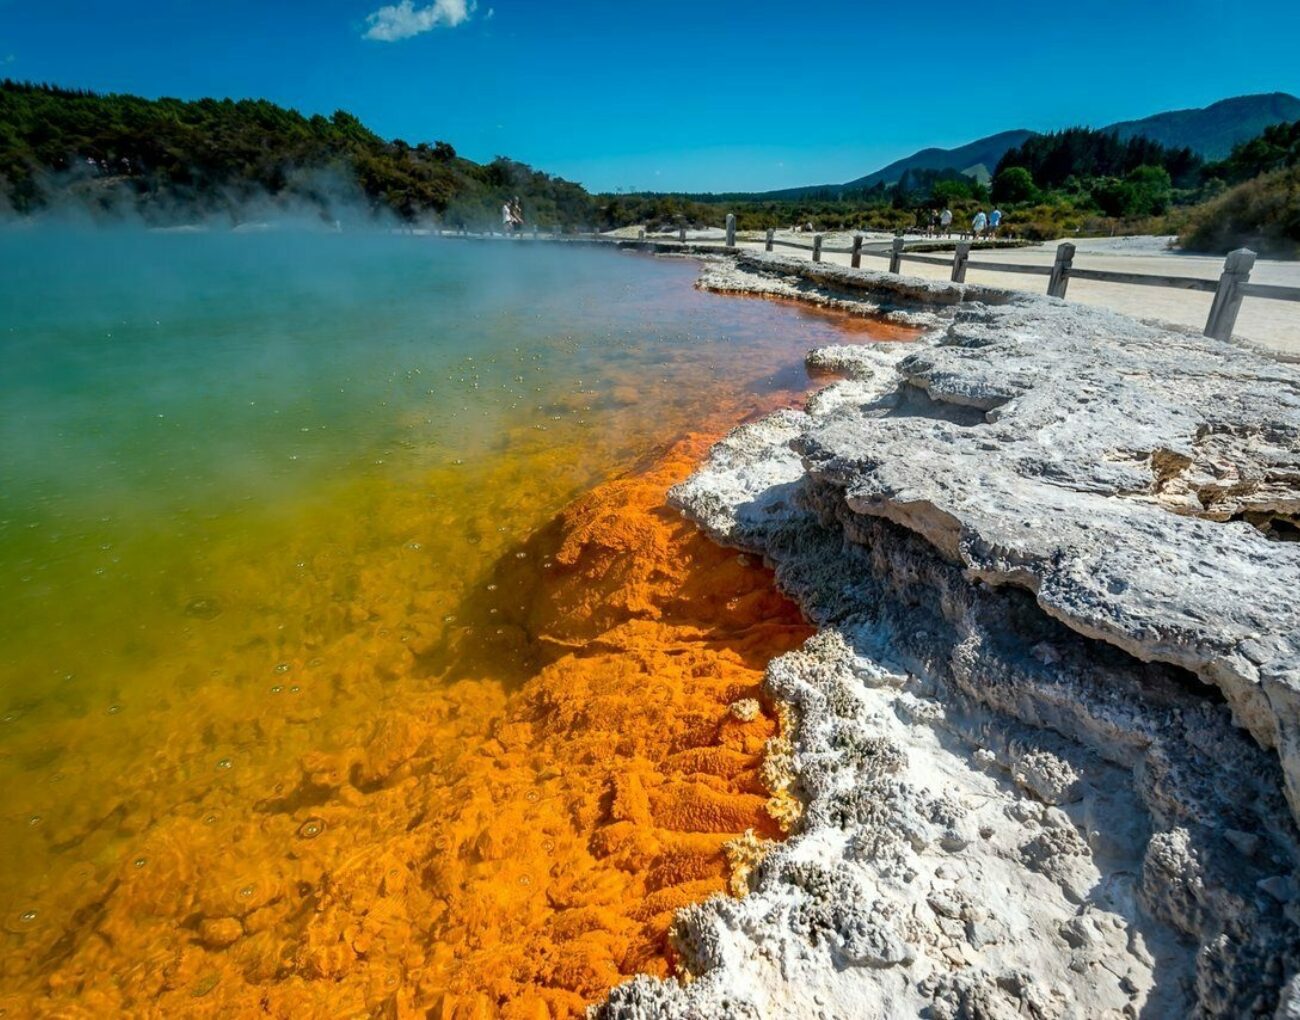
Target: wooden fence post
x=856, y=259
x=731, y=230
x=1227, y=299
x=959, y=260
x=896, y=256
x=817, y=247
x=770, y=233
x=1060, y=278
x=681, y=234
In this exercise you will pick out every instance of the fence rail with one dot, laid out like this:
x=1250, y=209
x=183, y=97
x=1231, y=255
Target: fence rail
x=1232, y=286
x=1146, y=279
x=1275, y=291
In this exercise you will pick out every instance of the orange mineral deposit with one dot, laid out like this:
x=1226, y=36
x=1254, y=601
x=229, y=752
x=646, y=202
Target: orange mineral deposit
x=404, y=875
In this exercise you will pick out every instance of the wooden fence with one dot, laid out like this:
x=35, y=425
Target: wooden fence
x=1229, y=290
x=1232, y=286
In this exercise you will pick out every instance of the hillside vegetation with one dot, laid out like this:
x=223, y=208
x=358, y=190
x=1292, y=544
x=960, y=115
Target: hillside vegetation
x=1210, y=132
x=1261, y=208
x=169, y=160
x=1213, y=131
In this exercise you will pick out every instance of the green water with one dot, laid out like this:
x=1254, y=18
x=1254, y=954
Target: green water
x=159, y=388
x=247, y=482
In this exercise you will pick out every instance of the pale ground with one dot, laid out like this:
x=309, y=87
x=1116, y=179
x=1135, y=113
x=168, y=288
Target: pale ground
x=1274, y=325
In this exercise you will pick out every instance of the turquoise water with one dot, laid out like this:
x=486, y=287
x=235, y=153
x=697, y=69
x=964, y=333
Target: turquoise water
x=256, y=492
x=247, y=483
x=160, y=388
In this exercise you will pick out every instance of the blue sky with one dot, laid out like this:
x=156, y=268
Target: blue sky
x=674, y=94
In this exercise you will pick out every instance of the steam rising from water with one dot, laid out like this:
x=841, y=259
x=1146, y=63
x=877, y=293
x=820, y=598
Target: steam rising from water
x=313, y=199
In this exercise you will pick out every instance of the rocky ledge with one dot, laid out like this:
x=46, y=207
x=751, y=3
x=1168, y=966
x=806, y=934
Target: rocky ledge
x=1047, y=738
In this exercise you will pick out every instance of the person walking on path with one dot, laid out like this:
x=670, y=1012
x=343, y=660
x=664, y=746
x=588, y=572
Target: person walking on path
x=978, y=224
x=945, y=221
x=995, y=218
x=507, y=218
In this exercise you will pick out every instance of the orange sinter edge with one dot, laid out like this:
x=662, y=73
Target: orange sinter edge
x=488, y=850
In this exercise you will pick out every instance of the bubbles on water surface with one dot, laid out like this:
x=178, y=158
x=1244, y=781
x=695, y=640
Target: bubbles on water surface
x=22, y=922
x=311, y=828
x=203, y=607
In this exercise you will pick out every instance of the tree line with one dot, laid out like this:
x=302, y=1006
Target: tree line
x=167, y=160
x=171, y=160
x=1249, y=198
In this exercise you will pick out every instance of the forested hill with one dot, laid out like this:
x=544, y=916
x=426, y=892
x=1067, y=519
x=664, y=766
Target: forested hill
x=1209, y=132
x=1214, y=130
x=1083, y=154
x=173, y=161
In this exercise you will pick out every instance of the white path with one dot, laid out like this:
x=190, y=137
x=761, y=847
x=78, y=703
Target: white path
x=1271, y=324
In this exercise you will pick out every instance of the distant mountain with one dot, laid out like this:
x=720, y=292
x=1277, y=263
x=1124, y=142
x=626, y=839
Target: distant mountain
x=983, y=153
x=971, y=158
x=1213, y=130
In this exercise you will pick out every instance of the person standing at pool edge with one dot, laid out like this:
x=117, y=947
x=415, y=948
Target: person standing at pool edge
x=507, y=218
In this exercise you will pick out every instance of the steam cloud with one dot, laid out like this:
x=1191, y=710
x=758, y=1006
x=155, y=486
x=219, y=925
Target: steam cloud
x=403, y=20
x=311, y=198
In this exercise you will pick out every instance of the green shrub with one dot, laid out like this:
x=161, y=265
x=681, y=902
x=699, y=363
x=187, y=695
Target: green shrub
x=1014, y=184
x=1262, y=214
x=1145, y=191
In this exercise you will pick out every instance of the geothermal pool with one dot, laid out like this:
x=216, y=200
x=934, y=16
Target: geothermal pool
x=352, y=661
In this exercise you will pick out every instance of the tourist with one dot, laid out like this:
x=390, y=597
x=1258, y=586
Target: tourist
x=507, y=218
x=995, y=217
x=932, y=228
x=945, y=221
x=977, y=225
x=517, y=215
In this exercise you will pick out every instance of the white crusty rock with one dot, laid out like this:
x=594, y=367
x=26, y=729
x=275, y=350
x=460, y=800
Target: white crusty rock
x=1046, y=733
x=1109, y=468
